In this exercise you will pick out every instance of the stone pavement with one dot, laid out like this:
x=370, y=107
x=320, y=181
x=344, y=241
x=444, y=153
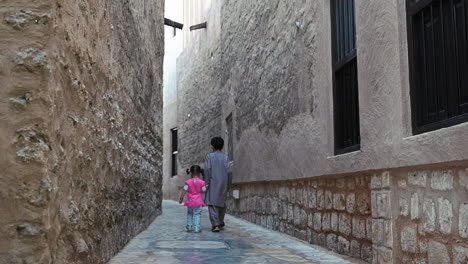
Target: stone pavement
x=166, y=242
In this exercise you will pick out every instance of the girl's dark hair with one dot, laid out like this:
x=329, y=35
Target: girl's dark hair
x=195, y=170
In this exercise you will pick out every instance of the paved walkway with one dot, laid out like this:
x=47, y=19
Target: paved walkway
x=166, y=242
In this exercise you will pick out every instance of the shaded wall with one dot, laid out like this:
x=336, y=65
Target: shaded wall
x=81, y=111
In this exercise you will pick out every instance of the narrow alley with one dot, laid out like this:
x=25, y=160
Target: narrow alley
x=166, y=241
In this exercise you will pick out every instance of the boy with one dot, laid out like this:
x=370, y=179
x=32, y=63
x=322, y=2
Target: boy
x=218, y=178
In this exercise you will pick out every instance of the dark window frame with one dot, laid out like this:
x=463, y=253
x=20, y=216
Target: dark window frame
x=174, y=151
x=344, y=65
x=448, y=102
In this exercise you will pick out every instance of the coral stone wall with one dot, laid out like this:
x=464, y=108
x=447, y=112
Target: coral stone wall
x=80, y=125
x=333, y=213
x=432, y=220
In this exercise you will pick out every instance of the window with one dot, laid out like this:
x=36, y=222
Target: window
x=174, y=151
x=438, y=53
x=345, y=79
x=230, y=137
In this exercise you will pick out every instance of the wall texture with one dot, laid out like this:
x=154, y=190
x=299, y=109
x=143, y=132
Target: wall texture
x=81, y=119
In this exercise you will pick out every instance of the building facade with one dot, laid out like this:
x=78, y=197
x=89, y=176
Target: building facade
x=346, y=121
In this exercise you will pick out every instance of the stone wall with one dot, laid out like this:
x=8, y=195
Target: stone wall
x=432, y=220
x=81, y=118
x=403, y=216
x=333, y=213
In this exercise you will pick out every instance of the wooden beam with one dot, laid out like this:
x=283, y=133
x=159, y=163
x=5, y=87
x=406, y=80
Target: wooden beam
x=173, y=24
x=198, y=26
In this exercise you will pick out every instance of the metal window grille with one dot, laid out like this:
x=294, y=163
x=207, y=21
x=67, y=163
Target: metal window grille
x=438, y=53
x=174, y=148
x=345, y=79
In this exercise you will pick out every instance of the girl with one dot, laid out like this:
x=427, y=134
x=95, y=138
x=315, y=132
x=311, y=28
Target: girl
x=194, y=187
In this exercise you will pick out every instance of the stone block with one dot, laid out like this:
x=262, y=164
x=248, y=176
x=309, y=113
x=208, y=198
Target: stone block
x=334, y=221
x=285, y=210
x=341, y=183
x=355, y=249
x=363, y=203
x=382, y=232
x=376, y=181
x=297, y=215
x=428, y=215
x=274, y=206
x=463, y=178
x=463, y=220
x=408, y=239
x=322, y=239
x=415, y=206
x=344, y=224
x=437, y=253
x=460, y=255
x=332, y=241
x=402, y=184
x=339, y=202
x=312, y=199
x=351, y=184
x=442, y=180
x=320, y=199
x=303, y=218
x=445, y=215
x=359, y=227
x=382, y=255
x=328, y=200
x=418, y=178
x=299, y=196
x=290, y=213
x=366, y=252
x=326, y=221
x=381, y=204
x=422, y=246
x=283, y=193
x=369, y=228
x=350, y=203
x=404, y=207
x=310, y=220
x=343, y=245
x=317, y=221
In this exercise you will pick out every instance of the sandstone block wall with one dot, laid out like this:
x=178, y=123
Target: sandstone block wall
x=401, y=216
x=432, y=220
x=333, y=213
x=80, y=125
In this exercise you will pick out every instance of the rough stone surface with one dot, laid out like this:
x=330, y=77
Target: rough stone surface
x=437, y=253
x=404, y=207
x=428, y=215
x=460, y=255
x=463, y=178
x=442, y=180
x=415, y=206
x=409, y=242
x=463, y=220
x=445, y=215
x=417, y=178
x=81, y=119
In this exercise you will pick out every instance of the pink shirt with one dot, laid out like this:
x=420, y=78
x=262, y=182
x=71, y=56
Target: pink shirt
x=194, y=193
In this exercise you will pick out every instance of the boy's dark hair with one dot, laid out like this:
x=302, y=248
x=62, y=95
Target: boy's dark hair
x=217, y=143
x=195, y=170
